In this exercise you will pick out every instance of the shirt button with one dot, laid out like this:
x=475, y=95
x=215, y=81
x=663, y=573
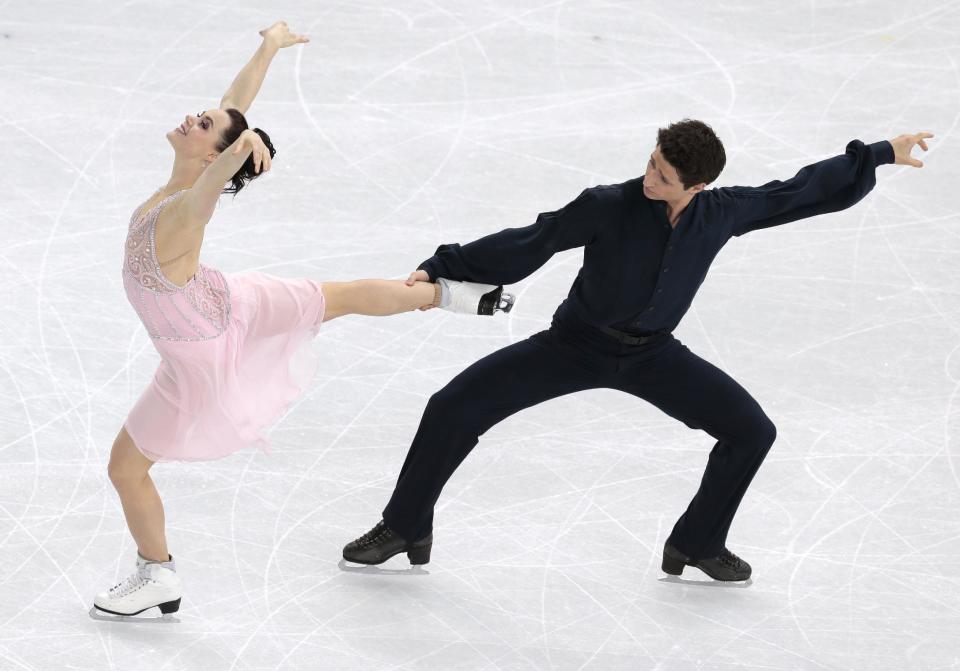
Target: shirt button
x=650, y=309
x=659, y=290
x=666, y=270
x=669, y=246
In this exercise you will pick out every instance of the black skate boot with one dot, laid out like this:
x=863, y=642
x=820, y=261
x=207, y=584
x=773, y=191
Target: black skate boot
x=380, y=543
x=725, y=566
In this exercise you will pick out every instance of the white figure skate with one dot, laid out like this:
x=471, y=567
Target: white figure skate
x=152, y=585
x=471, y=298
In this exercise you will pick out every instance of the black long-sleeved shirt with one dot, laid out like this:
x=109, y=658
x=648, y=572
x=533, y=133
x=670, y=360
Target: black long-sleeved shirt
x=639, y=274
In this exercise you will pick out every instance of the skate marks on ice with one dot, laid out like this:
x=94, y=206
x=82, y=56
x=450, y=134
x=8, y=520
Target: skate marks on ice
x=351, y=567
x=163, y=618
x=707, y=581
x=704, y=581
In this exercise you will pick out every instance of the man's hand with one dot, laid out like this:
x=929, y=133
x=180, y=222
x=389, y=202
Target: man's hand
x=279, y=34
x=419, y=276
x=903, y=145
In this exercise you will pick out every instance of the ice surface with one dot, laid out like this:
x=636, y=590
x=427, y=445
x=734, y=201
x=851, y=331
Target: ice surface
x=411, y=123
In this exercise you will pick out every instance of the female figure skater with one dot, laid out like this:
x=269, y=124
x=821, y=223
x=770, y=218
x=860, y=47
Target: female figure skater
x=234, y=347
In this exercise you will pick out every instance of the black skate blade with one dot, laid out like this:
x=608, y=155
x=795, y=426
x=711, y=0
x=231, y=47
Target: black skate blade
x=106, y=616
x=489, y=301
x=495, y=301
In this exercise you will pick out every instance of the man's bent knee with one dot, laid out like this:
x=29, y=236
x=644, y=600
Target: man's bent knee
x=755, y=432
x=456, y=405
x=765, y=433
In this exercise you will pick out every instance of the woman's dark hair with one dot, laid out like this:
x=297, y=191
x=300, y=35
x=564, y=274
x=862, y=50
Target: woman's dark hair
x=694, y=150
x=247, y=171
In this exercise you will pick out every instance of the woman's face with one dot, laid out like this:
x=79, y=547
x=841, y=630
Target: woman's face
x=198, y=136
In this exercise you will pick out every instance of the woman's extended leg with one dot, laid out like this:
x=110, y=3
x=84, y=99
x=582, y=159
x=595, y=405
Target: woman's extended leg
x=377, y=298
x=128, y=471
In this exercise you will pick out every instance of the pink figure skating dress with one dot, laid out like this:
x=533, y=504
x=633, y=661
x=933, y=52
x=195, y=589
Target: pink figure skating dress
x=234, y=348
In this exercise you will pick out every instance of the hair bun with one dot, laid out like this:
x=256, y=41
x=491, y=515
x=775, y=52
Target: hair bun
x=247, y=171
x=266, y=140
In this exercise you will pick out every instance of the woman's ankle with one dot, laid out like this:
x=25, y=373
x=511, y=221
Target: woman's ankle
x=442, y=293
x=154, y=558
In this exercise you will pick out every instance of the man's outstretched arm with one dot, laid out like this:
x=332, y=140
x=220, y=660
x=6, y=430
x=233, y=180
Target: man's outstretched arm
x=514, y=253
x=826, y=186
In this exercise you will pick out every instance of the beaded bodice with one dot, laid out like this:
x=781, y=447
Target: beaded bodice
x=198, y=310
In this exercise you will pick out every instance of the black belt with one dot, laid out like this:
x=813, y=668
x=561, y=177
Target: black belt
x=626, y=338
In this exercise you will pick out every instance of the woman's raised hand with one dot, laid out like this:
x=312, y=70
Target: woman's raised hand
x=279, y=33
x=251, y=143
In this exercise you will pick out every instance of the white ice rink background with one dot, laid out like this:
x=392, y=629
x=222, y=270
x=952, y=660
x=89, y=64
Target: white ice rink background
x=411, y=123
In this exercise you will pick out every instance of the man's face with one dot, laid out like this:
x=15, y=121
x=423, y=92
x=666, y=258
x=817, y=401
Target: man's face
x=661, y=182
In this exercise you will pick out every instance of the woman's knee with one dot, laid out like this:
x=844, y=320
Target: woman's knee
x=123, y=476
x=127, y=467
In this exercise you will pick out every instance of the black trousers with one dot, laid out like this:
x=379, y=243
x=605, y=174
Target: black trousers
x=572, y=356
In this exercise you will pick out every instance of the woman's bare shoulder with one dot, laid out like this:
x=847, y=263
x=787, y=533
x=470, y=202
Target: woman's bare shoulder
x=171, y=216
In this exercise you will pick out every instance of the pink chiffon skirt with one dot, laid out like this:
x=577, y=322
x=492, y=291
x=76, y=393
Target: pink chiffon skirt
x=210, y=398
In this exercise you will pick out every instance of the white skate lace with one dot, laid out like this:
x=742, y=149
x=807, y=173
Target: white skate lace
x=130, y=584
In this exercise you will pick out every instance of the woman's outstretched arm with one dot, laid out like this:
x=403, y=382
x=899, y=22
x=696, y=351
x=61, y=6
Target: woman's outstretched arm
x=247, y=83
x=377, y=298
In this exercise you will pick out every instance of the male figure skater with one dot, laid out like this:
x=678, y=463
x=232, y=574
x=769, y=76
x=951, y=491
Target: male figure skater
x=647, y=246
